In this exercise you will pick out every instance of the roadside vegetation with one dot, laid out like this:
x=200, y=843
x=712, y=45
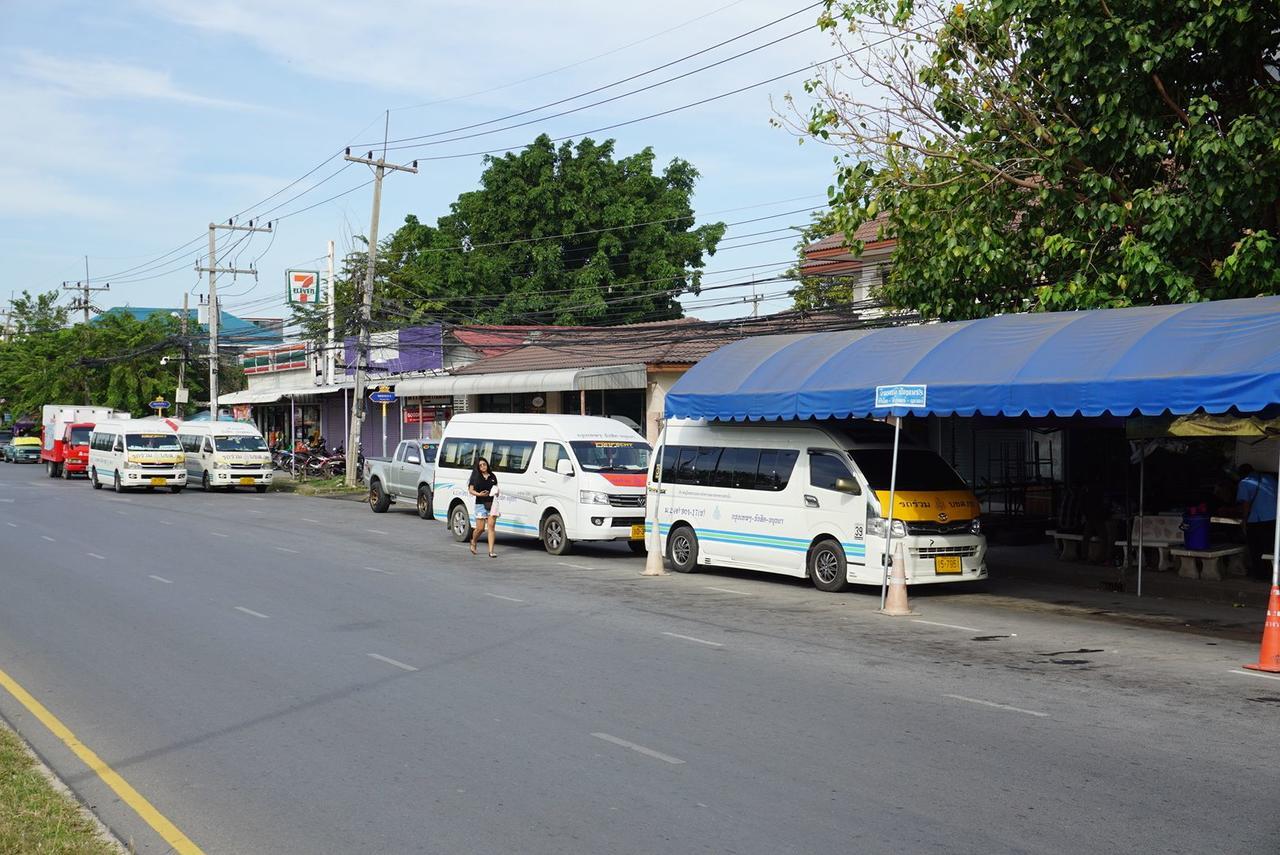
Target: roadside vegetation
x=34, y=816
x=317, y=487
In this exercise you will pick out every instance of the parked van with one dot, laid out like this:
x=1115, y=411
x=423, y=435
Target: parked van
x=561, y=478
x=226, y=455
x=136, y=453
x=812, y=500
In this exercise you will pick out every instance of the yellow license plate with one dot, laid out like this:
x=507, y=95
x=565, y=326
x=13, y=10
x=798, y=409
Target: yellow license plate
x=637, y=532
x=246, y=481
x=946, y=564
x=157, y=482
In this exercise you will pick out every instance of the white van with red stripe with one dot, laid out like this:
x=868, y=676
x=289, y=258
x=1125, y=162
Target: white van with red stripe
x=561, y=478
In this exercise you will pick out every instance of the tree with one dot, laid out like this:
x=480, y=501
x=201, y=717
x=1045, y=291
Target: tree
x=38, y=313
x=1058, y=154
x=554, y=234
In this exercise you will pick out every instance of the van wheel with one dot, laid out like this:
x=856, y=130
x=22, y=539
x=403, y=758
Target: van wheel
x=554, y=537
x=827, y=567
x=638, y=547
x=260, y=488
x=424, y=503
x=460, y=523
x=176, y=489
x=116, y=486
x=93, y=479
x=379, y=501
x=682, y=549
x=204, y=482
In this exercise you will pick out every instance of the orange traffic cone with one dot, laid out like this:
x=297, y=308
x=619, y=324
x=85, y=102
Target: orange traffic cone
x=1269, y=656
x=895, y=602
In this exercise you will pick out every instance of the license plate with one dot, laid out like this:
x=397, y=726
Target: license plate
x=943, y=564
x=157, y=482
x=637, y=532
x=246, y=481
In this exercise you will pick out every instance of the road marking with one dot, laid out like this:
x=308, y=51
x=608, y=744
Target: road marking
x=161, y=579
x=167, y=830
x=48, y=538
x=12, y=525
x=219, y=534
x=640, y=749
x=252, y=612
x=8, y=501
x=691, y=638
x=376, y=531
x=306, y=519
x=947, y=625
x=500, y=597
x=122, y=513
x=96, y=555
x=575, y=566
x=997, y=706
x=391, y=661
x=1256, y=674
x=726, y=590
x=287, y=549
x=165, y=522
x=379, y=570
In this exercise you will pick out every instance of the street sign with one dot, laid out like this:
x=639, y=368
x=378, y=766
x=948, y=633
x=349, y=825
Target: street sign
x=900, y=396
x=304, y=286
x=182, y=396
x=159, y=405
x=382, y=397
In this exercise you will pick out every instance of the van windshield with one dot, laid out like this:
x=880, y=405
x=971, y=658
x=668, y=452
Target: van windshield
x=611, y=455
x=80, y=435
x=239, y=443
x=918, y=469
x=152, y=442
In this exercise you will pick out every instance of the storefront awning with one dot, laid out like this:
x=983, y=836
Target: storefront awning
x=270, y=396
x=552, y=380
x=1211, y=357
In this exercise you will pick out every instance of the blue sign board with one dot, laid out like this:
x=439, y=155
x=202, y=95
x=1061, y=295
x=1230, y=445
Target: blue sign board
x=159, y=405
x=900, y=396
x=382, y=397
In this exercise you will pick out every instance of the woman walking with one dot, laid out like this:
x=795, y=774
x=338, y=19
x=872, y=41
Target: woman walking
x=484, y=486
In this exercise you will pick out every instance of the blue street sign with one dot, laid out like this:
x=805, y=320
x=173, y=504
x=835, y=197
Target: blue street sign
x=159, y=405
x=900, y=396
x=382, y=397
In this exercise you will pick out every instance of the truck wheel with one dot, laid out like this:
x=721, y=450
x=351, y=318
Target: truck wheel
x=379, y=501
x=50, y=469
x=554, y=537
x=827, y=567
x=682, y=549
x=424, y=503
x=638, y=547
x=116, y=486
x=460, y=523
x=64, y=472
x=260, y=488
x=93, y=479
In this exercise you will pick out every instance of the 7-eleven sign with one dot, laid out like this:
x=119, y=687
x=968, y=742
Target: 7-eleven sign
x=304, y=286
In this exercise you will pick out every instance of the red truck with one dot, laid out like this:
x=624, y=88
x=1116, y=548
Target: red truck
x=64, y=437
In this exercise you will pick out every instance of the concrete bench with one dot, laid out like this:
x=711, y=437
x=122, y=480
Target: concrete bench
x=1164, y=561
x=1066, y=544
x=1209, y=563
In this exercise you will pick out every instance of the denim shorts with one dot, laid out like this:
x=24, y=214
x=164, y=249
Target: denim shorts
x=481, y=512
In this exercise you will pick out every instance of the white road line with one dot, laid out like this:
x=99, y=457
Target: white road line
x=256, y=511
x=122, y=513
x=286, y=549
x=947, y=625
x=161, y=579
x=726, y=590
x=165, y=522
x=310, y=520
x=251, y=612
x=391, y=661
x=997, y=706
x=1256, y=674
x=219, y=534
x=575, y=566
x=640, y=749
x=500, y=597
x=691, y=638
x=379, y=570
x=376, y=531
x=12, y=525
x=8, y=501
x=48, y=538
x=96, y=555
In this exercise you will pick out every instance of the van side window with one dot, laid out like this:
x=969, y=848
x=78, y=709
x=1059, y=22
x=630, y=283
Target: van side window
x=737, y=468
x=825, y=468
x=670, y=457
x=457, y=453
x=684, y=472
x=118, y=445
x=511, y=455
x=208, y=446
x=552, y=454
x=775, y=468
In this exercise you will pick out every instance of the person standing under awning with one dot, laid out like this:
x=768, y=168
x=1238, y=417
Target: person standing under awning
x=1257, y=497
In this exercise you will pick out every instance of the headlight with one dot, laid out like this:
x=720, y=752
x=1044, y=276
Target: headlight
x=591, y=497
x=976, y=525
x=218, y=464
x=876, y=527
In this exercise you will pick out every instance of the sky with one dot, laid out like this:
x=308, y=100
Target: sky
x=133, y=124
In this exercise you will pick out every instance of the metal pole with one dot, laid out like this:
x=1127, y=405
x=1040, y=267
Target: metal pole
x=213, y=323
x=1142, y=501
x=888, y=534
x=293, y=440
x=329, y=372
x=1275, y=546
x=179, y=409
x=653, y=557
x=384, y=430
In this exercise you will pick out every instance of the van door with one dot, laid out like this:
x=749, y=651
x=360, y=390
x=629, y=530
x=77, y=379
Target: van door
x=832, y=507
x=206, y=456
x=553, y=486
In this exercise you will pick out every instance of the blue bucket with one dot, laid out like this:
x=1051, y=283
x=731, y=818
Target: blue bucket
x=1195, y=531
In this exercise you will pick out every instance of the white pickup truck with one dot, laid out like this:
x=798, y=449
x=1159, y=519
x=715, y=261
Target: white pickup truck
x=407, y=476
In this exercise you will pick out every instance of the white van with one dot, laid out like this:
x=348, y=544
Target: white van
x=812, y=500
x=226, y=455
x=136, y=453
x=560, y=478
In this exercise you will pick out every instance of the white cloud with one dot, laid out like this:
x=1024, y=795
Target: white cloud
x=100, y=79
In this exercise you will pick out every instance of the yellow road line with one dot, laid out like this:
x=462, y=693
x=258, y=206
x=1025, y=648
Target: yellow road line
x=166, y=829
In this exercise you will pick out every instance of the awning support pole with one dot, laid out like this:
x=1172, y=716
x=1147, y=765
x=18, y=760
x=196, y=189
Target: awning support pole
x=653, y=537
x=1142, y=495
x=1275, y=546
x=888, y=534
x=293, y=440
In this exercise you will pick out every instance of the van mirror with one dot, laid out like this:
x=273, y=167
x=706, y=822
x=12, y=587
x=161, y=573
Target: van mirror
x=848, y=485
x=564, y=467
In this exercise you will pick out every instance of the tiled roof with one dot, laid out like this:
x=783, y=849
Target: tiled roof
x=868, y=232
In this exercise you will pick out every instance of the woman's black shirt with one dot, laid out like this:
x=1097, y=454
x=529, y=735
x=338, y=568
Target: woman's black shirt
x=481, y=483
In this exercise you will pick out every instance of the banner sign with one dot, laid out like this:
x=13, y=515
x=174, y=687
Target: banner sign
x=304, y=286
x=900, y=396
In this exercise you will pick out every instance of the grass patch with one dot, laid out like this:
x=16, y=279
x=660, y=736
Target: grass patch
x=318, y=487
x=35, y=817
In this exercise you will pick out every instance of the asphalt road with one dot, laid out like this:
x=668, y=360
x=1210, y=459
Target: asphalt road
x=283, y=674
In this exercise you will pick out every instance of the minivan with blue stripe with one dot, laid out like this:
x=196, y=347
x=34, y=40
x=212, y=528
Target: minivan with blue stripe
x=812, y=501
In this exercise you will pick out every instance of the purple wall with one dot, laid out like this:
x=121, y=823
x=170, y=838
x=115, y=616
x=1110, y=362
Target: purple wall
x=414, y=349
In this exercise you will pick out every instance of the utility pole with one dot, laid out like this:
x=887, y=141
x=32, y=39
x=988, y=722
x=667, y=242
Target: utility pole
x=366, y=305
x=214, y=313
x=179, y=408
x=84, y=303
x=331, y=358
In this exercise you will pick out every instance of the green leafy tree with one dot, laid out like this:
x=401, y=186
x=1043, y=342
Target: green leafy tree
x=37, y=313
x=1058, y=154
x=561, y=234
